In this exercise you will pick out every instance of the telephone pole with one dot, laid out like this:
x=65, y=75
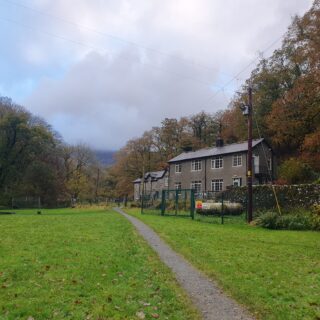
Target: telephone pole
x=249, y=160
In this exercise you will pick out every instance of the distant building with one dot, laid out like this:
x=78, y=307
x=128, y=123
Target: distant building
x=211, y=169
x=154, y=183
x=214, y=169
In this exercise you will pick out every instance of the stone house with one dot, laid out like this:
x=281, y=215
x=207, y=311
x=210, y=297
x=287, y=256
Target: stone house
x=214, y=169
x=154, y=183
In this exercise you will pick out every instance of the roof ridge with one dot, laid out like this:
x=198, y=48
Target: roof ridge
x=229, y=144
x=207, y=152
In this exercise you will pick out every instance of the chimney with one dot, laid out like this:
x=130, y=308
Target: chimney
x=219, y=141
x=187, y=148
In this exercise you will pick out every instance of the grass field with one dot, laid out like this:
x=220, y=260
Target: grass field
x=276, y=274
x=82, y=264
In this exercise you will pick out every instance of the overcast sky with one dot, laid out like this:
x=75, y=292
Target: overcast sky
x=102, y=72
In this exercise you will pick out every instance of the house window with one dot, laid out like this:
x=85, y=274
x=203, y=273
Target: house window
x=216, y=185
x=237, y=182
x=237, y=160
x=196, y=186
x=178, y=168
x=216, y=163
x=196, y=165
x=177, y=185
x=166, y=181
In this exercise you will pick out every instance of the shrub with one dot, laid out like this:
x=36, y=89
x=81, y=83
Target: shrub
x=135, y=204
x=295, y=171
x=315, y=209
x=298, y=220
x=268, y=220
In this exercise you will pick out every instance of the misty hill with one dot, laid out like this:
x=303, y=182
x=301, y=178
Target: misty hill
x=105, y=157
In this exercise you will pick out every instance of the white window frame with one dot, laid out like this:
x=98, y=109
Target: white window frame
x=217, y=163
x=215, y=183
x=237, y=179
x=196, y=165
x=196, y=183
x=178, y=168
x=235, y=160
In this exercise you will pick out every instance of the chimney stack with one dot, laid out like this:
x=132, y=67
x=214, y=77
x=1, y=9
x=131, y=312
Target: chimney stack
x=219, y=141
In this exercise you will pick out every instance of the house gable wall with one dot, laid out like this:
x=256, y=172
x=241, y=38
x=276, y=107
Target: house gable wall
x=151, y=186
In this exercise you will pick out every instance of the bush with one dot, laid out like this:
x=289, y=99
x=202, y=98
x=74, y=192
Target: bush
x=315, y=209
x=268, y=220
x=299, y=220
x=135, y=204
x=295, y=171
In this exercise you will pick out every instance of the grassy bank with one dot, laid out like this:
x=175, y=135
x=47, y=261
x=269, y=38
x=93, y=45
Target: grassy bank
x=82, y=264
x=276, y=274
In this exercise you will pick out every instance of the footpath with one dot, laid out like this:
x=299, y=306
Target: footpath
x=204, y=293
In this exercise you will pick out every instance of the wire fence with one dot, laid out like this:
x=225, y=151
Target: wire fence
x=177, y=202
x=206, y=206
x=219, y=207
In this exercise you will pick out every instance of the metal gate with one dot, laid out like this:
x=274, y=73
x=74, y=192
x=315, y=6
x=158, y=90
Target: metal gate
x=177, y=202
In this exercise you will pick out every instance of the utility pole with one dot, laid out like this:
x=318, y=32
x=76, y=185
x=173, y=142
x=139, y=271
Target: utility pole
x=249, y=160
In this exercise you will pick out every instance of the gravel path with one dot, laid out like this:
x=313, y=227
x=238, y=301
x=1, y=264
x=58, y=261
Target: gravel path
x=204, y=293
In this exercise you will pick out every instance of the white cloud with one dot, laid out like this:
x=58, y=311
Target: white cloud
x=104, y=101
x=104, y=91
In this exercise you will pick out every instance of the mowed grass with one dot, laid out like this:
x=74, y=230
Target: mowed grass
x=276, y=274
x=82, y=264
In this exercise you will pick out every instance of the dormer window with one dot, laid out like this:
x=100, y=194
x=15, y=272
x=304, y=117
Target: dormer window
x=196, y=165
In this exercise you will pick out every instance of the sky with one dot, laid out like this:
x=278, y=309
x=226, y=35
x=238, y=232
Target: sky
x=103, y=72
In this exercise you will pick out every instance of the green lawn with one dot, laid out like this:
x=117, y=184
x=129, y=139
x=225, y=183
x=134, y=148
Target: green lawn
x=82, y=264
x=276, y=274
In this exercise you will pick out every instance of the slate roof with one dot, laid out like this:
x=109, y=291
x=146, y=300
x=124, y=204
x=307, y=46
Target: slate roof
x=155, y=175
x=216, y=151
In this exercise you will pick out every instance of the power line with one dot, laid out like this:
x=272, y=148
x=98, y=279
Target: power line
x=101, y=33
x=235, y=77
x=83, y=44
x=220, y=88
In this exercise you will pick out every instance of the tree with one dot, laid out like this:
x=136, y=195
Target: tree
x=27, y=146
x=293, y=171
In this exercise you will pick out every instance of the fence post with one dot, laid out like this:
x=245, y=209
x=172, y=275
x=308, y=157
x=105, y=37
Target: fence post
x=192, y=208
x=142, y=198
x=222, y=209
x=163, y=202
x=176, y=202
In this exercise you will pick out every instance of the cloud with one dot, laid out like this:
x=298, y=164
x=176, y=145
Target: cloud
x=79, y=75
x=105, y=100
